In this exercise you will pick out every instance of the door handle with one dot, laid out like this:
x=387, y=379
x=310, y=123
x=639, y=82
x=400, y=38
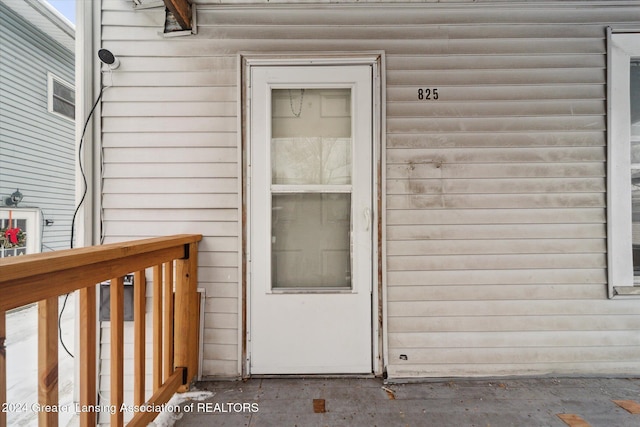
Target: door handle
x=367, y=218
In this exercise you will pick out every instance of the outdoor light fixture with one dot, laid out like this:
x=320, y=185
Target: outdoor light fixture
x=108, y=58
x=14, y=199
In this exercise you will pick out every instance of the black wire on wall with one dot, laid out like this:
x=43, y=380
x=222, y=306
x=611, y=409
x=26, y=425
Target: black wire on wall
x=85, y=190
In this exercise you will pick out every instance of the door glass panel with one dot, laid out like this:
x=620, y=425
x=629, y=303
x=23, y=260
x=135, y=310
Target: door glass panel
x=635, y=162
x=311, y=136
x=311, y=231
x=311, y=240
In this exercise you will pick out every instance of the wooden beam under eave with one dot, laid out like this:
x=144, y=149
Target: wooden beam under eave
x=181, y=10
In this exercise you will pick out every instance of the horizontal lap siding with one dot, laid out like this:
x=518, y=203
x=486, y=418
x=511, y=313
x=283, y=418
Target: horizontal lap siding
x=170, y=162
x=36, y=147
x=496, y=250
x=495, y=193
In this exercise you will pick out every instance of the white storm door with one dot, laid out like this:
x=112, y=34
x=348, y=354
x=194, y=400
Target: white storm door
x=311, y=219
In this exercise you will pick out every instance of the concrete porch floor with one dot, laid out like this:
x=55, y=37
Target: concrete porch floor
x=370, y=402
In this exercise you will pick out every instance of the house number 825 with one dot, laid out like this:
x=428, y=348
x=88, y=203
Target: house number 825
x=428, y=94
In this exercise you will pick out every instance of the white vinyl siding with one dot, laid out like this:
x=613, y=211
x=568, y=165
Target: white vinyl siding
x=171, y=165
x=495, y=193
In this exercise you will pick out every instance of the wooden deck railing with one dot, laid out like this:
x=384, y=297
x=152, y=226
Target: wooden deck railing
x=42, y=278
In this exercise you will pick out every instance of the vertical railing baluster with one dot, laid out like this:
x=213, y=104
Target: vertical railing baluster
x=167, y=341
x=117, y=349
x=48, y=360
x=88, y=381
x=181, y=317
x=3, y=368
x=139, y=324
x=175, y=318
x=157, y=327
x=186, y=313
x=194, y=311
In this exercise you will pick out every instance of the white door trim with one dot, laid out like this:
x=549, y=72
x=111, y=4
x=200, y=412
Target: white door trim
x=376, y=60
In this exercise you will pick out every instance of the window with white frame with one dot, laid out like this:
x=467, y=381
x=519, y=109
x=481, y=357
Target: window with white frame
x=61, y=97
x=623, y=168
x=20, y=231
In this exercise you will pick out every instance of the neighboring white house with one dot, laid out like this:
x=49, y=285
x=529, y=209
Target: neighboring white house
x=37, y=126
x=404, y=189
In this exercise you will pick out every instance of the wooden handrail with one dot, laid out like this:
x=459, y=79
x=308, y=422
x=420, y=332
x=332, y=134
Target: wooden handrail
x=81, y=267
x=44, y=277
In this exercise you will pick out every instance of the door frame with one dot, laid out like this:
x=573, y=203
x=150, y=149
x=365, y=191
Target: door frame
x=378, y=310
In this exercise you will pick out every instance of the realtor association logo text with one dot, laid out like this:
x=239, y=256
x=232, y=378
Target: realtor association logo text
x=201, y=407
x=210, y=407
